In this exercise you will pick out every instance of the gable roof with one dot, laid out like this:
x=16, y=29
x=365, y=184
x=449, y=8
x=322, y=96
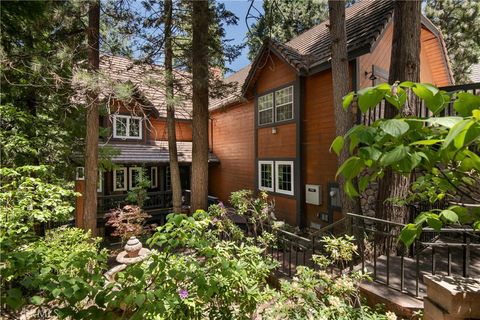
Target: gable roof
x=308, y=52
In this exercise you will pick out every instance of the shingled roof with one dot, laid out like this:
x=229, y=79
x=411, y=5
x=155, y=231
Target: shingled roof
x=148, y=79
x=365, y=22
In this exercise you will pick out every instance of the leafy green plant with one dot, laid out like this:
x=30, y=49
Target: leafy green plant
x=138, y=195
x=443, y=150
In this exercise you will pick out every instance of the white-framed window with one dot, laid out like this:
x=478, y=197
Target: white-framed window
x=134, y=177
x=120, y=179
x=100, y=181
x=265, y=175
x=127, y=127
x=284, y=104
x=265, y=109
x=80, y=173
x=284, y=177
x=153, y=177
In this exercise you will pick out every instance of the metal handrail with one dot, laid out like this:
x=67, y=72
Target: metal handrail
x=328, y=227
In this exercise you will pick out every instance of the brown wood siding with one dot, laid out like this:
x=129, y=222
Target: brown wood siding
x=278, y=145
x=233, y=144
x=159, y=130
x=274, y=74
x=319, y=165
x=432, y=66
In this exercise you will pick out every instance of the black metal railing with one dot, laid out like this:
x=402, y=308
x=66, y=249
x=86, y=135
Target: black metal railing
x=379, y=111
x=155, y=200
x=403, y=270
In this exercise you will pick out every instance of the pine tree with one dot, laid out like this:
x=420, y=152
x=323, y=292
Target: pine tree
x=459, y=21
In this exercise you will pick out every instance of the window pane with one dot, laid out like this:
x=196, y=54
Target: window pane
x=134, y=127
x=284, y=96
x=266, y=175
x=121, y=126
x=265, y=102
x=285, y=112
x=119, y=179
x=265, y=116
x=136, y=176
x=285, y=177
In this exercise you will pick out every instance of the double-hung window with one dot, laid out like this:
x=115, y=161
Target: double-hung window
x=127, y=127
x=265, y=109
x=284, y=104
x=265, y=175
x=276, y=106
x=276, y=176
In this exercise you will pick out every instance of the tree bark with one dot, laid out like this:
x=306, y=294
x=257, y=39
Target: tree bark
x=199, y=181
x=404, y=66
x=344, y=119
x=92, y=119
x=169, y=94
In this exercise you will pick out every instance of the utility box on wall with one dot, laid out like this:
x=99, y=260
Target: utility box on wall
x=313, y=194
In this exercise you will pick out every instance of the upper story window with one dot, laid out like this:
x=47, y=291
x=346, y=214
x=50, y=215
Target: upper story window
x=127, y=127
x=276, y=106
x=265, y=109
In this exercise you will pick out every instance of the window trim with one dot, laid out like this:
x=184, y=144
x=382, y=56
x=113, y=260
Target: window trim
x=260, y=187
x=274, y=107
x=153, y=177
x=292, y=180
x=130, y=180
x=100, y=181
x=124, y=169
x=292, y=103
x=127, y=136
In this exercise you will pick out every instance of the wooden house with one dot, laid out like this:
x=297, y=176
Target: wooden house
x=274, y=134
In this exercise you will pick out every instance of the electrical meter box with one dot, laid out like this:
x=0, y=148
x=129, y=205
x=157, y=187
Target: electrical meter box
x=313, y=194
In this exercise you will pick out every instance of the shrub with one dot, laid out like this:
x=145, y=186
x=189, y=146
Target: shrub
x=127, y=221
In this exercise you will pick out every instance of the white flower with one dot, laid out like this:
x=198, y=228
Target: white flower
x=391, y=316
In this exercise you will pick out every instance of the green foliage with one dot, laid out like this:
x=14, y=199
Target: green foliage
x=443, y=149
x=139, y=194
x=320, y=294
x=459, y=21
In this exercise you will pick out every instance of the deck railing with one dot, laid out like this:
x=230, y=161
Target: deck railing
x=450, y=251
x=379, y=111
x=155, y=200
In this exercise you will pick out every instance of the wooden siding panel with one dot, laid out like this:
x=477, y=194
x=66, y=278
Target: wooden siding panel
x=279, y=145
x=274, y=74
x=432, y=63
x=159, y=130
x=233, y=144
x=320, y=164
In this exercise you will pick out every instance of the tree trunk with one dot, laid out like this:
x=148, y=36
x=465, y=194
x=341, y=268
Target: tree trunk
x=344, y=119
x=200, y=23
x=404, y=66
x=172, y=135
x=91, y=142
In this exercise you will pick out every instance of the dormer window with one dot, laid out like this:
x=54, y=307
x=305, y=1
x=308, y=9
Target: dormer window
x=127, y=127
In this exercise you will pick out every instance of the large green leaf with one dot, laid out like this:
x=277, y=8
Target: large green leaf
x=351, y=168
x=397, y=100
x=449, y=215
x=394, y=156
x=437, y=103
x=394, y=127
x=369, y=99
x=337, y=145
x=347, y=100
x=466, y=103
x=409, y=233
x=350, y=189
x=455, y=131
x=447, y=122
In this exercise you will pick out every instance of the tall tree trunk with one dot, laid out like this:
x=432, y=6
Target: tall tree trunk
x=172, y=135
x=404, y=66
x=91, y=143
x=200, y=22
x=344, y=119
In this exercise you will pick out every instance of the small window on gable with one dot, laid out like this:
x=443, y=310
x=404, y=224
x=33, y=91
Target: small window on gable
x=284, y=177
x=265, y=109
x=127, y=127
x=284, y=104
x=265, y=175
x=135, y=177
x=154, y=177
x=120, y=179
